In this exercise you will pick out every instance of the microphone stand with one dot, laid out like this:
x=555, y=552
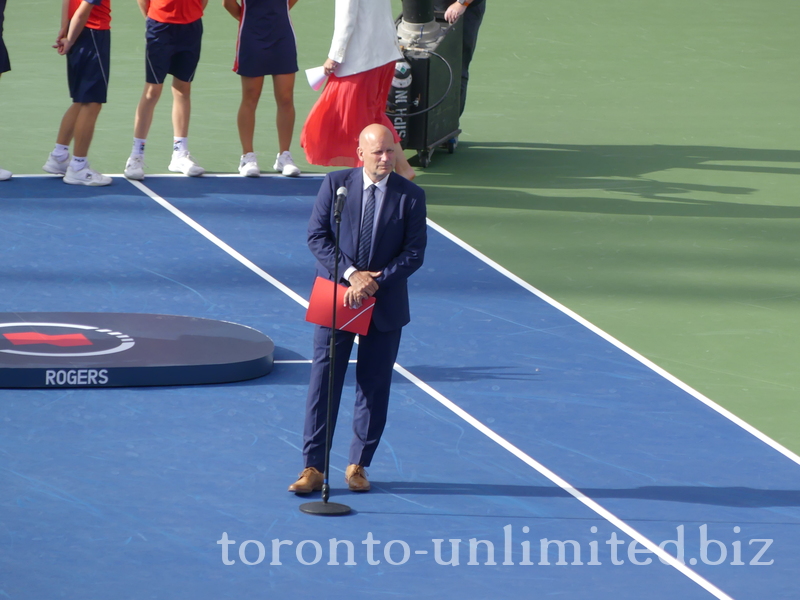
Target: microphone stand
x=325, y=507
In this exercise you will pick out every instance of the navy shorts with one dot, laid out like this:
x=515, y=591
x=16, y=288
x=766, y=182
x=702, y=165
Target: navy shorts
x=172, y=49
x=88, y=66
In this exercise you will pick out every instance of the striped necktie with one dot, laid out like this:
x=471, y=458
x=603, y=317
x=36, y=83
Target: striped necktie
x=365, y=236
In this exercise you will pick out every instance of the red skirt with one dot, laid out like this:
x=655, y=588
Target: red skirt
x=345, y=108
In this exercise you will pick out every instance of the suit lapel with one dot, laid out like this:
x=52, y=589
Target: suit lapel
x=354, y=183
x=390, y=202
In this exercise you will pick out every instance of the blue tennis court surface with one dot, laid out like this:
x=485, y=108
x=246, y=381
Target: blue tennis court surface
x=567, y=444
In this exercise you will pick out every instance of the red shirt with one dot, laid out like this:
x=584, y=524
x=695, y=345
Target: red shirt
x=175, y=11
x=99, y=18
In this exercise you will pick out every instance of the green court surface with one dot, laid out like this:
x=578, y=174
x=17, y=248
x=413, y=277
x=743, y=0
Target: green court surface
x=638, y=161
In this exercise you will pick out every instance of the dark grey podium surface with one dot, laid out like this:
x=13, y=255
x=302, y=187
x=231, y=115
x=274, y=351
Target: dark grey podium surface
x=44, y=350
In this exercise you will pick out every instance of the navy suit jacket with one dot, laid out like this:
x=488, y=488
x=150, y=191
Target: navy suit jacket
x=399, y=246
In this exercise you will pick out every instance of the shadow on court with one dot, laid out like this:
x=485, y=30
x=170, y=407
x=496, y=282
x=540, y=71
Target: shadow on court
x=491, y=174
x=717, y=496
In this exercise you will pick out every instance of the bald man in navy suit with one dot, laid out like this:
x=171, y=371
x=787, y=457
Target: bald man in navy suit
x=382, y=242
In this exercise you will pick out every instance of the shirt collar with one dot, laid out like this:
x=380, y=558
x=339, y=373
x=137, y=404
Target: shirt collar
x=381, y=185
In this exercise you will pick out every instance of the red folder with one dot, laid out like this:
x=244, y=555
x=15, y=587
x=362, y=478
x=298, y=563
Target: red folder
x=320, y=308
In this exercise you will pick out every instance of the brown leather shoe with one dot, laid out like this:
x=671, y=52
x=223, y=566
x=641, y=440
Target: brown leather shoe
x=310, y=480
x=356, y=478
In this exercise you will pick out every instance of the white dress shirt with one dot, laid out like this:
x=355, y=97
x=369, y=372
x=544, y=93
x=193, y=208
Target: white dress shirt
x=380, y=192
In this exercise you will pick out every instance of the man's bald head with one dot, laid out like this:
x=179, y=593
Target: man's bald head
x=376, y=149
x=374, y=132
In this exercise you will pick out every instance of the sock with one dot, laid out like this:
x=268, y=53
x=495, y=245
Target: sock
x=138, y=147
x=60, y=152
x=180, y=144
x=78, y=163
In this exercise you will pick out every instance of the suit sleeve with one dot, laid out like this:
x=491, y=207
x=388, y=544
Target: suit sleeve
x=415, y=239
x=321, y=230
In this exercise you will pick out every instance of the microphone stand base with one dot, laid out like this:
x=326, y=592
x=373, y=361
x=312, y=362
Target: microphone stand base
x=331, y=509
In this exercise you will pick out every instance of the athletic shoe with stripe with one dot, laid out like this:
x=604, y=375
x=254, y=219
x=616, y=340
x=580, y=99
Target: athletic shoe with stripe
x=248, y=165
x=182, y=162
x=85, y=176
x=55, y=166
x=134, y=168
x=285, y=165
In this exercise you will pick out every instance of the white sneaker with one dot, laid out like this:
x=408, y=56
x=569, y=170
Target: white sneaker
x=182, y=162
x=134, y=168
x=4, y=174
x=248, y=166
x=55, y=166
x=85, y=176
x=285, y=165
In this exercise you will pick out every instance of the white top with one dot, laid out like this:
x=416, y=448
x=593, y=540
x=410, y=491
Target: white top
x=364, y=36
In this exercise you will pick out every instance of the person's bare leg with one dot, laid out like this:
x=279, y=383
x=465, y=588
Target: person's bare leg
x=181, y=111
x=181, y=107
x=401, y=163
x=246, y=119
x=66, y=130
x=3, y=173
x=145, y=109
x=84, y=127
x=283, y=87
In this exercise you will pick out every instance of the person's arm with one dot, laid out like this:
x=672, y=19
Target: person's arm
x=234, y=8
x=414, y=241
x=144, y=6
x=62, y=31
x=292, y=3
x=204, y=3
x=455, y=10
x=320, y=232
x=76, y=25
x=346, y=14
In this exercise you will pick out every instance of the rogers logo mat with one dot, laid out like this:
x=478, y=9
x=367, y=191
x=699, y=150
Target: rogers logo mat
x=65, y=340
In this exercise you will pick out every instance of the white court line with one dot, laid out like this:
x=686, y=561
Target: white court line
x=563, y=484
x=304, y=361
x=218, y=242
x=36, y=176
x=236, y=175
x=158, y=175
x=615, y=342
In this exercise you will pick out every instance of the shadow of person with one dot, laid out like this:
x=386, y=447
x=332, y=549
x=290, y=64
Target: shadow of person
x=493, y=175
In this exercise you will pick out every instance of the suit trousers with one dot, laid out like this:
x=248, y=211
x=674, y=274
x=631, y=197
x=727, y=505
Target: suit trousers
x=473, y=17
x=377, y=353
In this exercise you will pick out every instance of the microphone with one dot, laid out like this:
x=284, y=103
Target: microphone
x=341, y=194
